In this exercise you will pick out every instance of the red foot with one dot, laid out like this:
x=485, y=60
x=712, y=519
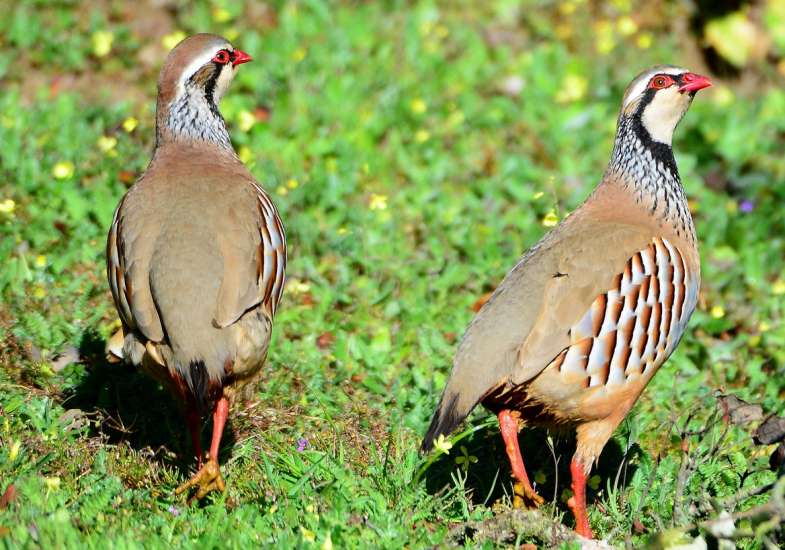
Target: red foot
x=220, y=413
x=509, y=428
x=577, y=502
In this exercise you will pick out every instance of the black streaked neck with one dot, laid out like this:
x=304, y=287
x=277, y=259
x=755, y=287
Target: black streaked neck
x=648, y=169
x=194, y=116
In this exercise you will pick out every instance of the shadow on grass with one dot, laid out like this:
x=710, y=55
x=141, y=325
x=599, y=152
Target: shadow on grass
x=489, y=478
x=134, y=409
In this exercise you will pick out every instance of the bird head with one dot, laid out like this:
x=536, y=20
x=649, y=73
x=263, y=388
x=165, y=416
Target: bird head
x=203, y=63
x=659, y=97
x=196, y=74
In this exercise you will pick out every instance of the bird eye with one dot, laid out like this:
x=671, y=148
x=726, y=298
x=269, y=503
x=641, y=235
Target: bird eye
x=222, y=57
x=660, y=82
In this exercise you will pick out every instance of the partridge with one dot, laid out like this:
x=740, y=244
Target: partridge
x=196, y=253
x=576, y=330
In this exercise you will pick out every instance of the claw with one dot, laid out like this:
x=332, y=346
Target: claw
x=524, y=496
x=206, y=480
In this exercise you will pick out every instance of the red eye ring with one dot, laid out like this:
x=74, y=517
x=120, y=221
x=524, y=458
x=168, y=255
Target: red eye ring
x=660, y=81
x=222, y=57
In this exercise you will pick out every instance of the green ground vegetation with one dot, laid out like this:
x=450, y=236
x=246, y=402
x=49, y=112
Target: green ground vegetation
x=414, y=150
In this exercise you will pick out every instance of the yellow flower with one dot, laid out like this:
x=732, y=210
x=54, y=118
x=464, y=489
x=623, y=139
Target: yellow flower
x=442, y=444
x=573, y=88
x=221, y=15
x=550, y=219
x=299, y=54
x=281, y=190
x=563, y=31
x=342, y=231
x=604, y=40
x=418, y=106
x=40, y=261
x=456, y=119
x=421, y=136
x=172, y=39
x=723, y=96
x=39, y=292
x=292, y=183
x=52, y=483
x=297, y=286
x=7, y=206
x=106, y=143
x=718, y=312
x=13, y=452
x=245, y=120
x=245, y=154
x=130, y=124
x=778, y=287
x=378, y=202
x=626, y=26
x=645, y=40
x=102, y=43
x=307, y=535
x=566, y=8
x=764, y=326
x=63, y=170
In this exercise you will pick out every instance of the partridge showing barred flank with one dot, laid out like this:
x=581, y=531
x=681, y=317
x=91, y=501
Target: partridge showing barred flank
x=196, y=253
x=580, y=325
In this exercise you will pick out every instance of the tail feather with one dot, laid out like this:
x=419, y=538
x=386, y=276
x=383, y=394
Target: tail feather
x=198, y=381
x=447, y=417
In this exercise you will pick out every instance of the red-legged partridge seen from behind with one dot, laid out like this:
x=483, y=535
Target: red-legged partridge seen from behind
x=196, y=253
x=577, y=329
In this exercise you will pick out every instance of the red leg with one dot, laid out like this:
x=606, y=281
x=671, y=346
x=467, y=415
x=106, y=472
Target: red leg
x=577, y=502
x=194, y=421
x=523, y=488
x=219, y=421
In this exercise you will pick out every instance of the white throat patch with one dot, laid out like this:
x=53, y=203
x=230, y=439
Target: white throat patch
x=664, y=112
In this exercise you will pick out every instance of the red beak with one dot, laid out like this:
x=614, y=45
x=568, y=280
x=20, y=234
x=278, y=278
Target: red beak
x=692, y=82
x=240, y=57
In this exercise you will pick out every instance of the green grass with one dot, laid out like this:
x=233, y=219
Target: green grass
x=410, y=179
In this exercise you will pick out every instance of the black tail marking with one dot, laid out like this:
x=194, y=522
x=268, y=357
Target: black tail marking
x=199, y=384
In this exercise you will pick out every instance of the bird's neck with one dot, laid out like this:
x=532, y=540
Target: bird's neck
x=647, y=169
x=191, y=117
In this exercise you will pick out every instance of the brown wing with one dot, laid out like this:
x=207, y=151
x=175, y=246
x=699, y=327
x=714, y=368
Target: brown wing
x=257, y=279
x=126, y=269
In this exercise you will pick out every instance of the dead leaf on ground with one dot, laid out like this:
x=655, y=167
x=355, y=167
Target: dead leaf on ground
x=476, y=306
x=738, y=411
x=8, y=496
x=325, y=340
x=770, y=431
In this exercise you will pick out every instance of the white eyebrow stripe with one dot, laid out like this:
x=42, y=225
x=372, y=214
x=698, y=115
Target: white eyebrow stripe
x=643, y=81
x=201, y=59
